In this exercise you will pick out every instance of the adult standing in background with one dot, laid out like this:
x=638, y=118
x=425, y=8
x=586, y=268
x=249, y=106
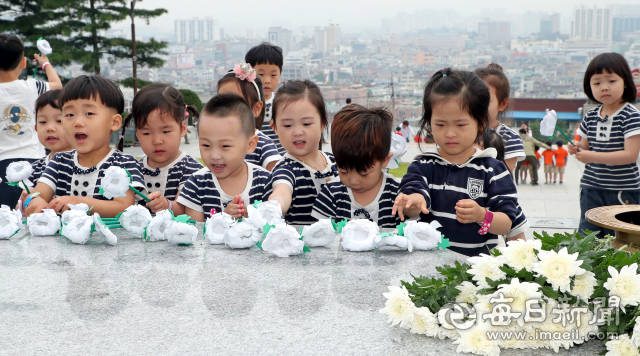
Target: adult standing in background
x=530, y=155
x=406, y=131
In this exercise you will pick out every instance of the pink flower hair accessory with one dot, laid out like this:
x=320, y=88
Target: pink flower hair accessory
x=244, y=71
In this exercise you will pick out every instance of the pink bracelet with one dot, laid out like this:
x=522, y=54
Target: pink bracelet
x=486, y=223
x=170, y=205
x=45, y=64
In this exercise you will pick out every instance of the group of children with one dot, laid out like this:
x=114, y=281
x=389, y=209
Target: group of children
x=257, y=143
x=554, y=163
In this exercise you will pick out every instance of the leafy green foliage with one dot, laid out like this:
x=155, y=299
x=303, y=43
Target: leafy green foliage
x=434, y=293
x=191, y=98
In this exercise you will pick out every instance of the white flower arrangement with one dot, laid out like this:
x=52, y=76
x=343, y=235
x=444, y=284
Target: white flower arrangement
x=423, y=236
x=398, y=307
x=584, y=285
x=467, y=293
x=135, y=219
x=398, y=149
x=320, y=233
x=424, y=322
x=75, y=210
x=102, y=229
x=155, y=231
x=548, y=124
x=486, y=266
x=521, y=254
x=115, y=182
x=558, y=268
x=43, y=224
x=635, y=336
x=44, y=47
x=399, y=241
x=242, y=234
x=78, y=230
x=181, y=233
x=283, y=240
x=10, y=222
x=624, y=284
x=19, y=172
x=267, y=212
x=621, y=346
x=360, y=235
x=216, y=227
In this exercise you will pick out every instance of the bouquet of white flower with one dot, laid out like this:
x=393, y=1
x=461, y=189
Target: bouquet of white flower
x=19, y=172
x=75, y=210
x=360, y=235
x=283, y=241
x=158, y=225
x=44, y=224
x=181, y=232
x=216, y=227
x=135, y=219
x=242, y=234
x=78, y=230
x=321, y=233
x=10, y=222
x=263, y=213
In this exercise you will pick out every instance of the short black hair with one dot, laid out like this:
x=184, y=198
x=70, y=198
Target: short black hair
x=91, y=87
x=372, y=127
x=348, y=100
x=559, y=143
x=11, y=52
x=491, y=139
x=523, y=131
x=265, y=53
x=228, y=104
x=549, y=143
x=48, y=98
x=613, y=63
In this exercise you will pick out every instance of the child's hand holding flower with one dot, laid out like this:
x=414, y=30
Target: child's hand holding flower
x=236, y=208
x=585, y=157
x=468, y=211
x=158, y=202
x=573, y=149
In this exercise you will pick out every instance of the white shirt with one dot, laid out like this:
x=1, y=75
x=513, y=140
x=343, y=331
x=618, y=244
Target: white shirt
x=406, y=131
x=18, y=137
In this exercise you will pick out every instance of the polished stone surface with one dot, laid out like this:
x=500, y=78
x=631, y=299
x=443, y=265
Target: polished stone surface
x=154, y=298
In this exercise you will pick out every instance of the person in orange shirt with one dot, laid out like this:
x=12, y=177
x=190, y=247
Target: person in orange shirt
x=561, y=161
x=548, y=155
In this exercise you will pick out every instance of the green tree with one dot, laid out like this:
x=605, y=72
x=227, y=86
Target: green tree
x=128, y=83
x=191, y=98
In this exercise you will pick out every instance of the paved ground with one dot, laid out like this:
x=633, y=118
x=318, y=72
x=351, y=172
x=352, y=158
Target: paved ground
x=557, y=203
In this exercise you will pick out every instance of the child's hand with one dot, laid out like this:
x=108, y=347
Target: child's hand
x=585, y=157
x=573, y=149
x=158, y=202
x=23, y=196
x=61, y=204
x=35, y=206
x=236, y=208
x=40, y=58
x=468, y=211
x=412, y=205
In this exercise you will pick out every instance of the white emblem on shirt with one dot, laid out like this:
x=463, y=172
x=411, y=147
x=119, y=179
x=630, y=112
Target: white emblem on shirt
x=474, y=187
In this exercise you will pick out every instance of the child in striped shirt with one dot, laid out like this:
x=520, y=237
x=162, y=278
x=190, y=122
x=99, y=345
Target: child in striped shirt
x=610, y=139
x=91, y=111
x=466, y=189
x=361, y=143
x=250, y=89
x=226, y=133
x=158, y=111
x=300, y=116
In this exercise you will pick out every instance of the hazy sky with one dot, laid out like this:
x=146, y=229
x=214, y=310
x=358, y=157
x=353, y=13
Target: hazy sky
x=349, y=14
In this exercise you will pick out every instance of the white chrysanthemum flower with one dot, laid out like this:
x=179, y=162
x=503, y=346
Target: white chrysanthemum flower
x=558, y=267
x=467, y=293
x=44, y=47
x=75, y=210
x=78, y=230
x=360, y=235
x=158, y=225
x=475, y=340
x=10, y=222
x=398, y=307
x=20, y=172
x=624, y=284
x=548, y=124
x=115, y=182
x=520, y=254
x=283, y=241
x=242, y=235
x=622, y=346
x=181, y=233
x=267, y=212
x=584, y=285
x=320, y=233
x=423, y=236
x=520, y=292
x=43, y=224
x=398, y=149
x=424, y=322
x=635, y=336
x=216, y=226
x=135, y=219
x=394, y=240
x=486, y=266
x=102, y=229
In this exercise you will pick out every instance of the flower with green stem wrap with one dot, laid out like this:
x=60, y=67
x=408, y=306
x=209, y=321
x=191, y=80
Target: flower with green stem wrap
x=43, y=224
x=321, y=233
x=216, y=226
x=19, y=172
x=116, y=182
x=79, y=229
x=10, y=222
x=103, y=230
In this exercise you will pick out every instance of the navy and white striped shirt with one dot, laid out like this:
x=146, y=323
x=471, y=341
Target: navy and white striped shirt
x=169, y=179
x=305, y=184
x=265, y=153
x=609, y=136
x=482, y=178
x=337, y=201
x=513, y=146
x=266, y=126
x=38, y=168
x=203, y=192
x=520, y=224
x=67, y=178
